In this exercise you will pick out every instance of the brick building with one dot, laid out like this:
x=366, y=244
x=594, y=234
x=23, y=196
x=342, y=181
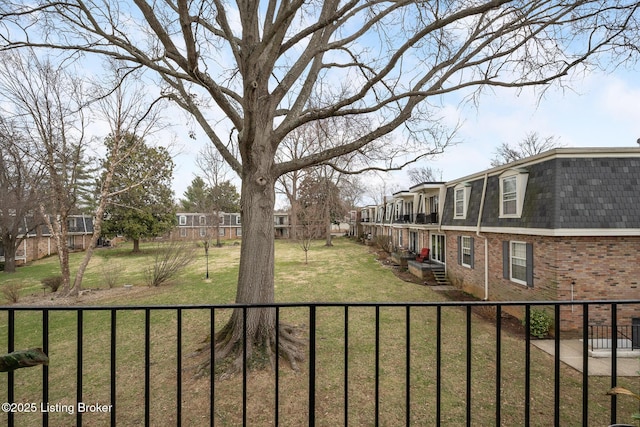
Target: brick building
x=561, y=225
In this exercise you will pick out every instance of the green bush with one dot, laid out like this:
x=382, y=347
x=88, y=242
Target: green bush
x=52, y=282
x=539, y=323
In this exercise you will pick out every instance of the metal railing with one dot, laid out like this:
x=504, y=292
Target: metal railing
x=367, y=363
x=601, y=337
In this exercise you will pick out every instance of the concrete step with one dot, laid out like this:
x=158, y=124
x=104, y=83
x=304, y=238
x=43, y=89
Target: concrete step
x=441, y=278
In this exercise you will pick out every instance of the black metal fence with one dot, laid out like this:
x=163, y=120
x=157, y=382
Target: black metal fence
x=432, y=363
x=627, y=337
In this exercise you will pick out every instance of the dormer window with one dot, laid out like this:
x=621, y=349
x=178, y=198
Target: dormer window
x=461, y=200
x=513, y=185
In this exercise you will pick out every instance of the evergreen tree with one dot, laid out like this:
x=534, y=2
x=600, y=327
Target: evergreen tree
x=146, y=208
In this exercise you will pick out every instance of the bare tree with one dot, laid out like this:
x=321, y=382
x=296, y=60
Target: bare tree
x=423, y=174
x=48, y=103
x=271, y=67
x=530, y=145
x=20, y=177
x=121, y=103
x=215, y=171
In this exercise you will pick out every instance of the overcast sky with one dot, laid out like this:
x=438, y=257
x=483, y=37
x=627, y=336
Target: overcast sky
x=601, y=110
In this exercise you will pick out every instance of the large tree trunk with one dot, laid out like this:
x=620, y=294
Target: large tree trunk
x=136, y=245
x=256, y=286
x=9, y=246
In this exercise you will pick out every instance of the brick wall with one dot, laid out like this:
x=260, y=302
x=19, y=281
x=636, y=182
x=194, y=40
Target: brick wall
x=565, y=268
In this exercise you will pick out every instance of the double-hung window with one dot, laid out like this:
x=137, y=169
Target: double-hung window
x=466, y=251
x=518, y=262
x=509, y=196
x=459, y=200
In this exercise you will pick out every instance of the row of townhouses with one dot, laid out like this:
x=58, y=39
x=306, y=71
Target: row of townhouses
x=223, y=226
x=561, y=225
x=38, y=240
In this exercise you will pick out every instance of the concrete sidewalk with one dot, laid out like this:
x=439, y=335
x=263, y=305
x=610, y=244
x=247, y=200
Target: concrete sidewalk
x=571, y=354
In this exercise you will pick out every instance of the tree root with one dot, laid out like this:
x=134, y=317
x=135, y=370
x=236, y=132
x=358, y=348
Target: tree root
x=260, y=352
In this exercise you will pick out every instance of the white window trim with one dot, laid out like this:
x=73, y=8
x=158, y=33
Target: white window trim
x=183, y=232
x=466, y=192
x=183, y=220
x=511, y=257
x=467, y=240
x=202, y=220
x=521, y=187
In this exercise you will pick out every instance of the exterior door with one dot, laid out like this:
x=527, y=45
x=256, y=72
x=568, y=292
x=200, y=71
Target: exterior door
x=437, y=248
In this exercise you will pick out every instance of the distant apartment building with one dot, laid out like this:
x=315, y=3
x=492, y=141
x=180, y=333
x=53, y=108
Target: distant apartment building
x=226, y=226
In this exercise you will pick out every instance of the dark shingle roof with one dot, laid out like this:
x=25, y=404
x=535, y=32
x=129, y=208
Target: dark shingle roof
x=592, y=193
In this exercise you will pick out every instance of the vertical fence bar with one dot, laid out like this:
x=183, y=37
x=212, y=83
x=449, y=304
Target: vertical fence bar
x=498, y=363
x=408, y=366
x=244, y=366
x=585, y=365
x=113, y=367
x=527, y=365
x=10, y=348
x=377, y=367
x=45, y=368
x=438, y=364
x=312, y=365
x=614, y=360
x=346, y=365
x=468, y=392
x=147, y=364
x=277, y=368
x=556, y=368
x=179, y=367
x=79, y=365
x=212, y=382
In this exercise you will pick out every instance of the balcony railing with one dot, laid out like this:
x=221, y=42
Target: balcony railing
x=431, y=218
x=422, y=363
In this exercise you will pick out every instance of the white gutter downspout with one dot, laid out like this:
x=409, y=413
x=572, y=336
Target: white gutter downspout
x=486, y=243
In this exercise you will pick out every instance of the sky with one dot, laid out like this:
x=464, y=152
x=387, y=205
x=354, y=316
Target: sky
x=600, y=110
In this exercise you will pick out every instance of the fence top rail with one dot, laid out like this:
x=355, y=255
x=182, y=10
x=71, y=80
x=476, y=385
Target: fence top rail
x=315, y=304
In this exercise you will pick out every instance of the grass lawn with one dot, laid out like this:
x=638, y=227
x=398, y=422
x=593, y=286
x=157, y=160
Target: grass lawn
x=347, y=272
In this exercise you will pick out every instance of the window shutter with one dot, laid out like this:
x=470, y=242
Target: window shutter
x=459, y=250
x=530, y=265
x=505, y=259
x=472, y=252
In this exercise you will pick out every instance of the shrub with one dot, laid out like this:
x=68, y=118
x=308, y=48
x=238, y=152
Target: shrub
x=53, y=282
x=539, y=323
x=385, y=243
x=12, y=292
x=169, y=260
x=111, y=273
